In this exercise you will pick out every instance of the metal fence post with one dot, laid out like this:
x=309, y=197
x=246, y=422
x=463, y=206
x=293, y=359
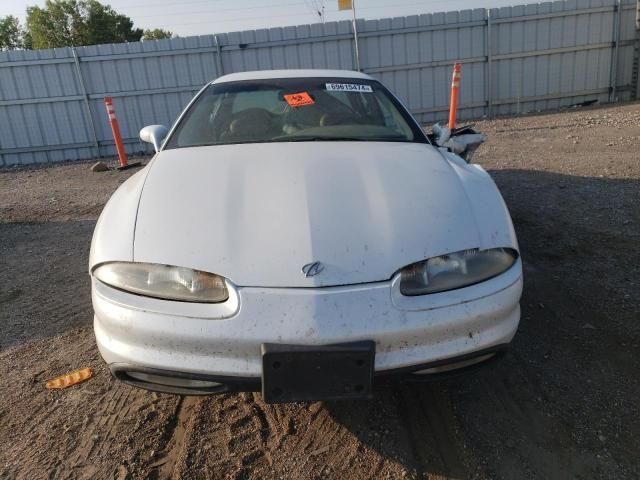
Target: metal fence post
x=218, y=56
x=614, y=54
x=635, y=67
x=355, y=35
x=489, y=67
x=87, y=105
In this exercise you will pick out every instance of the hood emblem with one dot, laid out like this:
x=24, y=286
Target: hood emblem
x=312, y=269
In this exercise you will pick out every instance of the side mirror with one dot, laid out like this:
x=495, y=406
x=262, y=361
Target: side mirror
x=463, y=141
x=154, y=134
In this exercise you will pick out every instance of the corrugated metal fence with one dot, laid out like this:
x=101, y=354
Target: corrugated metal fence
x=515, y=59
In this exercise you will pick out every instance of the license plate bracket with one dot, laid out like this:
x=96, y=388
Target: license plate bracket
x=301, y=373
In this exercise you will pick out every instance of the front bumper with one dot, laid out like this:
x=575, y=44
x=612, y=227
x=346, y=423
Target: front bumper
x=224, y=340
x=233, y=384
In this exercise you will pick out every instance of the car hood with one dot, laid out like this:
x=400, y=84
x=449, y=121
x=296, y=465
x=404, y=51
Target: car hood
x=257, y=213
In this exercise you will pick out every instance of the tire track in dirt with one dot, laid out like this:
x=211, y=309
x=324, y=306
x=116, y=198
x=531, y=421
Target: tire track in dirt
x=324, y=437
x=173, y=439
x=226, y=437
x=93, y=430
x=98, y=435
x=239, y=437
x=248, y=432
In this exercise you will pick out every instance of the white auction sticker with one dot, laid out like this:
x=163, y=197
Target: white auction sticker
x=348, y=87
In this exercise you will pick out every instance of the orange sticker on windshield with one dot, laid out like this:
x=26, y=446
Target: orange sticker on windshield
x=299, y=99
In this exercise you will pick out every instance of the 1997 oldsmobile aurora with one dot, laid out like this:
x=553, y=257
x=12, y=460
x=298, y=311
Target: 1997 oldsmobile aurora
x=296, y=232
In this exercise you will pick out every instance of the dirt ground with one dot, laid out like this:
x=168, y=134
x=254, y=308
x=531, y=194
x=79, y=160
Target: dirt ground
x=563, y=403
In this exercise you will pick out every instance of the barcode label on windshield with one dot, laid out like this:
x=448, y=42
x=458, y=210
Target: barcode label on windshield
x=348, y=87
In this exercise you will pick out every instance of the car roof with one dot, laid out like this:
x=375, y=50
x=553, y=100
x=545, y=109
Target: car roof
x=268, y=74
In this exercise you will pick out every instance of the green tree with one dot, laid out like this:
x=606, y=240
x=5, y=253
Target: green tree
x=10, y=33
x=66, y=23
x=156, y=34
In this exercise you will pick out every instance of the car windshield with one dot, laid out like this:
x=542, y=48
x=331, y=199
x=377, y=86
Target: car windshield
x=294, y=110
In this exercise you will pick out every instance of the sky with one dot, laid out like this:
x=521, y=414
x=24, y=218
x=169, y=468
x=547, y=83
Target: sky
x=201, y=17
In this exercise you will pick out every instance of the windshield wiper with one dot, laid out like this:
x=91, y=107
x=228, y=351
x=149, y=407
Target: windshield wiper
x=338, y=139
x=311, y=138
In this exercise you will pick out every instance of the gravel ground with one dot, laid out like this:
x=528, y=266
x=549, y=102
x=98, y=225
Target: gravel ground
x=563, y=402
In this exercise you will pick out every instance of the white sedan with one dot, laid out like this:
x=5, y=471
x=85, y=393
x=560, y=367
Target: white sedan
x=297, y=233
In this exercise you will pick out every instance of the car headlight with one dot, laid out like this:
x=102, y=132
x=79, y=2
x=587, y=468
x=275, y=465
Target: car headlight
x=164, y=281
x=455, y=270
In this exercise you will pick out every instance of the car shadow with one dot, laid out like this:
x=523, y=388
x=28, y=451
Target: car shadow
x=561, y=402
x=45, y=289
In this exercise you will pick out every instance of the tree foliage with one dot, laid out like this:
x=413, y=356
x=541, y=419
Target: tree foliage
x=10, y=33
x=65, y=23
x=156, y=34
